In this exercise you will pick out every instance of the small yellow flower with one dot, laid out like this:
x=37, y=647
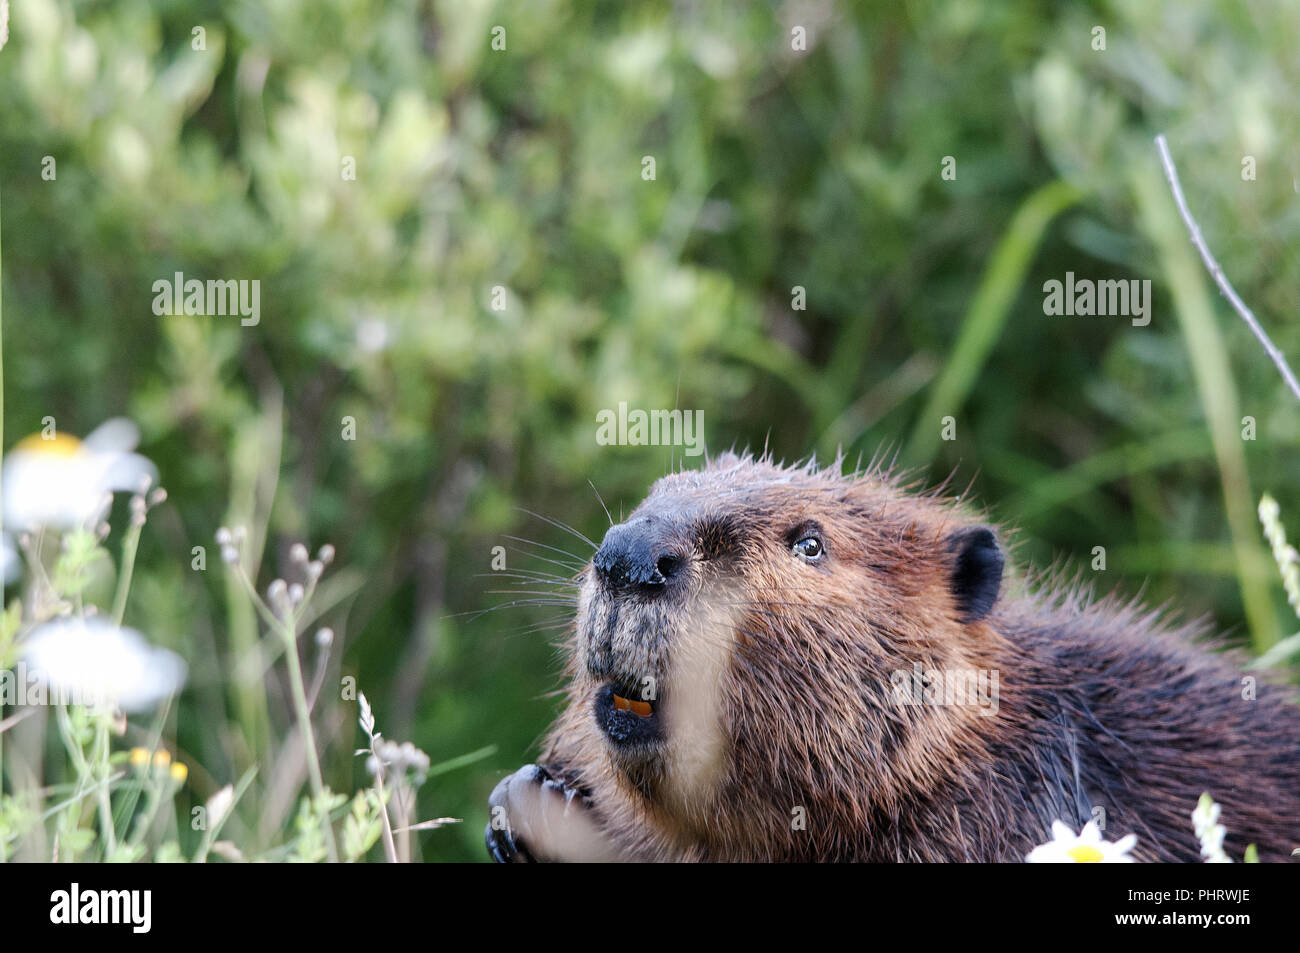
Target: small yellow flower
x=1087, y=848
x=179, y=772
x=139, y=757
x=161, y=759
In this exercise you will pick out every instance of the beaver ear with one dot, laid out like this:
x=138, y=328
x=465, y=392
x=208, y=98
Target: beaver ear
x=976, y=571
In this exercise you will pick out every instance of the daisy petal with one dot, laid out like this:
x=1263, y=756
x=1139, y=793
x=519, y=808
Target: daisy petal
x=127, y=472
x=116, y=435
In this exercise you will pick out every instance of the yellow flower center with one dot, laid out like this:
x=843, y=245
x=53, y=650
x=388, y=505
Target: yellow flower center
x=1084, y=854
x=59, y=445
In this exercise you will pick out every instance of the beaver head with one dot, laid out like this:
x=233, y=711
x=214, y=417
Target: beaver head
x=740, y=639
x=773, y=663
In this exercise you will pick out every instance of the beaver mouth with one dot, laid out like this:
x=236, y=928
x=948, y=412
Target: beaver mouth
x=626, y=721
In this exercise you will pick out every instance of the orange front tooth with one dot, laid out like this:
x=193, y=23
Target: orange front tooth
x=621, y=703
x=641, y=708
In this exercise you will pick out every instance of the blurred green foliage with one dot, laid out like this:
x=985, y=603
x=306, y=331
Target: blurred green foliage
x=522, y=168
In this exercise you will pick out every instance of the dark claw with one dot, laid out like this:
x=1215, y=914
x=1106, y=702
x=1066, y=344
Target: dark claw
x=504, y=849
x=502, y=846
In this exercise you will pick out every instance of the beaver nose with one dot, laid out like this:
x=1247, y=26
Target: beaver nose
x=637, y=553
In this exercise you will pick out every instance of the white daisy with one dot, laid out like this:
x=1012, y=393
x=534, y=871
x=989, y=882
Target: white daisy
x=96, y=662
x=1087, y=848
x=63, y=483
x=1205, y=820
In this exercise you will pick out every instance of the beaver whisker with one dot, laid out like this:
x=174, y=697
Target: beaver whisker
x=535, y=575
x=539, y=579
x=539, y=572
x=516, y=603
x=474, y=615
x=572, y=560
x=520, y=592
x=555, y=587
x=568, y=594
x=559, y=622
x=569, y=571
x=558, y=524
x=601, y=501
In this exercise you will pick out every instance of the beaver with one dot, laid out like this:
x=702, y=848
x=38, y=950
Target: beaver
x=762, y=668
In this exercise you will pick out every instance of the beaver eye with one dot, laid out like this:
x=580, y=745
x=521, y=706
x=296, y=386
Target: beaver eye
x=810, y=547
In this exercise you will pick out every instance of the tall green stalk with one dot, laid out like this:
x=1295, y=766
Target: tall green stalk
x=297, y=687
x=130, y=545
x=1218, y=393
x=988, y=313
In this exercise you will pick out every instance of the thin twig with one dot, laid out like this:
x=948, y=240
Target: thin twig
x=1216, y=271
x=390, y=849
x=367, y=721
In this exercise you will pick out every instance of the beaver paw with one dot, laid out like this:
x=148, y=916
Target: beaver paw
x=538, y=817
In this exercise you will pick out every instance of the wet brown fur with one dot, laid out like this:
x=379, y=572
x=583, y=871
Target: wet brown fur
x=1101, y=703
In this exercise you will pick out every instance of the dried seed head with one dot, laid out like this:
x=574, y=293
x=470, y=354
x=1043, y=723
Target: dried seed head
x=326, y=554
x=298, y=553
x=325, y=637
x=400, y=758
